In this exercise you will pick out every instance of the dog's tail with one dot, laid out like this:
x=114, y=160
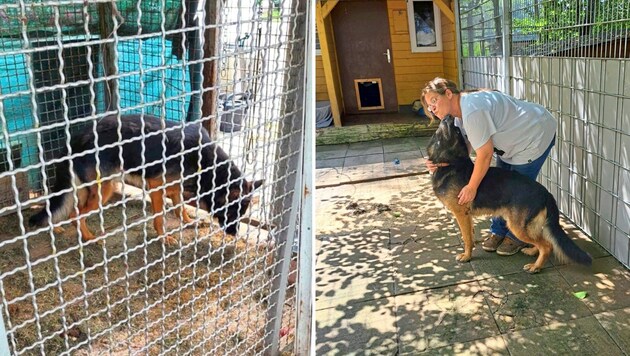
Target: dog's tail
x=563, y=246
x=60, y=205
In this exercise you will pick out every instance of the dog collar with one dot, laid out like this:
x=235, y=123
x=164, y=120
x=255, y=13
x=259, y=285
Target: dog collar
x=442, y=165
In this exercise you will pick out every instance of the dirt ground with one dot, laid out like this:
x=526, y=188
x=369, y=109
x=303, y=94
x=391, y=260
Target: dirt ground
x=130, y=292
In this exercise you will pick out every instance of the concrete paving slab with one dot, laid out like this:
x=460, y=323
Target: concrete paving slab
x=419, y=267
x=359, y=277
x=329, y=163
x=607, y=284
x=406, y=162
x=422, y=143
x=443, y=316
x=335, y=215
x=577, y=337
x=331, y=151
x=403, y=195
x=415, y=165
x=364, y=148
x=429, y=235
x=489, y=264
x=337, y=286
x=320, y=244
x=408, y=155
x=579, y=237
x=366, y=162
x=521, y=301
x=366, y=328
x=354, y=175
x=489, y=346
x=397, y=146
x=357, y=251
x=617, y=324
x=329, y=176
x=402, y=156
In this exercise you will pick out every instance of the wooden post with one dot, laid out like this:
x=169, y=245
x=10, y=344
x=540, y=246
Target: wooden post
x=193, y=44
x=210, y=50
x=329, y=59
x=106, y=26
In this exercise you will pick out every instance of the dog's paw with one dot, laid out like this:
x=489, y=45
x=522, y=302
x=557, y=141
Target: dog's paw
x=531, y=268
x=531, y=251
x=170, y=241
x=87, y=237
x=463, y=257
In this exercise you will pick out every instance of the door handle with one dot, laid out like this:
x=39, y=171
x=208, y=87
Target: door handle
x=388, y=55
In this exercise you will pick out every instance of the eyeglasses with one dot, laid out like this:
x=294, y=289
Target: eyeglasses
x=433, y=102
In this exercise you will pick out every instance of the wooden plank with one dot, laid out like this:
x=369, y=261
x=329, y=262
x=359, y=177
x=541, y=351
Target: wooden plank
x=328, y=7
x=397, y=4
x=413, y=70
x=418, y=56
x=319, y=96
x=420, y=70
x=419, y=62
x=108, y=52
x=400, y=37
x=210, y=68
x=327, y=63
x=445, y=9
x=398, y=21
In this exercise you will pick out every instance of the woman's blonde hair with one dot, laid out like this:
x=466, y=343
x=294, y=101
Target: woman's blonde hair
x=439, y=86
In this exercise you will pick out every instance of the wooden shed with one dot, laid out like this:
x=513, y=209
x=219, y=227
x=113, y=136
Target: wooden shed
x=368, y=59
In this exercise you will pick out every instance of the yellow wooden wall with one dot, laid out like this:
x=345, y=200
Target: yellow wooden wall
x=321, y=93
x=412, y=70
x=449, y=49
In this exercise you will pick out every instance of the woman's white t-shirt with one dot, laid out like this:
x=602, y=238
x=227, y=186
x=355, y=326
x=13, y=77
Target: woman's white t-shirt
x=520, y=130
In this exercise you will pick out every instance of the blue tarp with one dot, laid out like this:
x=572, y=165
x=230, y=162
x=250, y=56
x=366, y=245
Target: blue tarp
x=173, y=81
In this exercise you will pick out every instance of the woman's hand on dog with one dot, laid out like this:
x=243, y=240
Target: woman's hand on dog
x=431, y=166
x=467, y=194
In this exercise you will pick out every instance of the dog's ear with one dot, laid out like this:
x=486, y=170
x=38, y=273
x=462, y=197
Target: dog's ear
x=257, y=184
x=244, y=187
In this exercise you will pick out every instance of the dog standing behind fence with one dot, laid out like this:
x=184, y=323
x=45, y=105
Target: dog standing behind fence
x=530, y=210
x=155, y=156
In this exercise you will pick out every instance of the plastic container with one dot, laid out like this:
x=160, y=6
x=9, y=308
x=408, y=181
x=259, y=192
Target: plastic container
x=233, y=111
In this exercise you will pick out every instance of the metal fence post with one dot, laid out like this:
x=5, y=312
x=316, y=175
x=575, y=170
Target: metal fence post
x=458, y=45
x=288, y=156
x=506, y=30
x=305, y=322
x=4, y=343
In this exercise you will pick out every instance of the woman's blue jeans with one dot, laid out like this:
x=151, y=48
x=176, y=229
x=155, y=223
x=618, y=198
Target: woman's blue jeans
x=531, y=170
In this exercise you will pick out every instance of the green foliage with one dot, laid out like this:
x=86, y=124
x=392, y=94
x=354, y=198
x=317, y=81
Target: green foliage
x=567, y=19
x=541, y=22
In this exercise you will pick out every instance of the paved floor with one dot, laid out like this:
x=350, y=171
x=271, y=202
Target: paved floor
x=340, y=164
x=387, y=282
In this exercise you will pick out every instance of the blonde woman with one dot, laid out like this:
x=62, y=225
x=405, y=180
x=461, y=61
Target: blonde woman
x=519, y=134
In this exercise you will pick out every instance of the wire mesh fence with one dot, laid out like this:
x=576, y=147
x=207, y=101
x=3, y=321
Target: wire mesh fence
x=151, y=168
x=573, y=58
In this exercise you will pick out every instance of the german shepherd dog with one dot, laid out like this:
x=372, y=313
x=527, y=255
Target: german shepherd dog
x=155, y=155
x=529, y=209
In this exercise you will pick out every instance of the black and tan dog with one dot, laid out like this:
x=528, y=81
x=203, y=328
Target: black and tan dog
x=529, y=209
x=152, y=155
